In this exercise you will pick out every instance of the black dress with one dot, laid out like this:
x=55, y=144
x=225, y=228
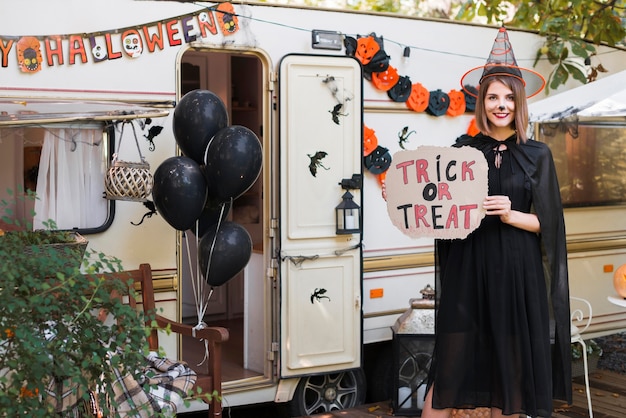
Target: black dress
x=493, y=334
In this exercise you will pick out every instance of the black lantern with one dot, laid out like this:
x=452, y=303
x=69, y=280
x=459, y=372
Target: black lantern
x=348, y=216
x=413, y=344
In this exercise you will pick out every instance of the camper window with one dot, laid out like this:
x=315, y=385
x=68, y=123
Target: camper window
x=590, y=159
x=65, y=165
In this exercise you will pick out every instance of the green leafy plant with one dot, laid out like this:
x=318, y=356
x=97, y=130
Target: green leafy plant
x=592, y=349
x=572, y=31
x=52, y=336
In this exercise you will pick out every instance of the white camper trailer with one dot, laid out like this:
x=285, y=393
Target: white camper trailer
x=584, y=128
x=310, y=315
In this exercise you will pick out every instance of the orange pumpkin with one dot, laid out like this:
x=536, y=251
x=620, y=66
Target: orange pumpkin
x=418, y=99
x=385, y=80
x=366, y=48
x=370, y=141
x=457, y=103
x=619, y=280
x=472, y=129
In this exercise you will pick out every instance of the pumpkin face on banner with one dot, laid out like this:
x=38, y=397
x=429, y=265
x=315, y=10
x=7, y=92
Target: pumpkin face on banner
x=418, y=99
x=438, y=103
x=385, y=80
x=370, y=141
x=366, y=48
x=233, y=162
x=457, y=103
x=223, y=253
x=179, y=192
x=198, y=116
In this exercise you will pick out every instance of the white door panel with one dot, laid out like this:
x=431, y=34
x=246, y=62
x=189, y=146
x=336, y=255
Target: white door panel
x=320, y=145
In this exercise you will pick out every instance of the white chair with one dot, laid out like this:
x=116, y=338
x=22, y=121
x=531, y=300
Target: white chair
x=579, y=324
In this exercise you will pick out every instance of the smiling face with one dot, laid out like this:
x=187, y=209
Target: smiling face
x=500, y=110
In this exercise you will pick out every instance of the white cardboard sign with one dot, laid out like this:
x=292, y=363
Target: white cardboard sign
x=437, y=191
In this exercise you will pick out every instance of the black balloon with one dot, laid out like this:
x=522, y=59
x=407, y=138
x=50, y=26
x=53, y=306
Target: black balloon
x=198, y=116
x=212, y=214
x=179, y=191
x=225, y=251
x=233, y=162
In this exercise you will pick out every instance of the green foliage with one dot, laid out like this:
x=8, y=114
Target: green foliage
x=572, y=30
x=49, y=325
x=592, y=348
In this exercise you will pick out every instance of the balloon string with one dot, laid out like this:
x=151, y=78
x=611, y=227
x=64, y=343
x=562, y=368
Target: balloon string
x=219, y=223
x=194, y=280
x=208, y=266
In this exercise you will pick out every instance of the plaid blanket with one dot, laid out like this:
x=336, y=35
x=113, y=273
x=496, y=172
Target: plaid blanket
x=162, y=387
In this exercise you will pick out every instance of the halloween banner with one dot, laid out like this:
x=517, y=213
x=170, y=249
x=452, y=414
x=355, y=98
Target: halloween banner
x=437, y=191
x=33, y=53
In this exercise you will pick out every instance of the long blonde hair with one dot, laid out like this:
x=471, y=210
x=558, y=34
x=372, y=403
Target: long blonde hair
x=520, y=119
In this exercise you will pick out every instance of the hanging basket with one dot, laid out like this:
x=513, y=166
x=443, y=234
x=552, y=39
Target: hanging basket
x=67, y=254
x=128, y=181
x=125, y=180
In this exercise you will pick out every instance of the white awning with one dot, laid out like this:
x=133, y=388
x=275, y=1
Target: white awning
x=603, y=98
x=27, y=111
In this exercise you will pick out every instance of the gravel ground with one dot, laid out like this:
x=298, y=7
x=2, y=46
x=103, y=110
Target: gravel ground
x=613, y=352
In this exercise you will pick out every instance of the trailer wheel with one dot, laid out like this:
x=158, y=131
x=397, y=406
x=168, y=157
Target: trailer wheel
x=328, y=392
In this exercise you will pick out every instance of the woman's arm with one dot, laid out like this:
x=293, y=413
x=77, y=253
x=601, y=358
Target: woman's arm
x=501, y=206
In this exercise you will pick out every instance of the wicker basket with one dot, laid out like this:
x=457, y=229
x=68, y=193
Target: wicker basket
x=125, y=180
x=71, y=252
x=128, y=181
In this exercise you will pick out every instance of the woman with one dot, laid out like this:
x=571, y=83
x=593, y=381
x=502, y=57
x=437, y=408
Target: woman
x=493, y=332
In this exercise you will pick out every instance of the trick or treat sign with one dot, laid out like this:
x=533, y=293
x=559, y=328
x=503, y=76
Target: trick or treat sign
x=437, y=191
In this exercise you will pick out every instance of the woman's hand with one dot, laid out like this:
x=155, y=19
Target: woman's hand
x=501, y=206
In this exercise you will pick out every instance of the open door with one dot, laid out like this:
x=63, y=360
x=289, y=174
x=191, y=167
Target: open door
x=320, y=145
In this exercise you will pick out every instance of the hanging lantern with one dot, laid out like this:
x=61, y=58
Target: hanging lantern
x=413, y=344
x=348, y=216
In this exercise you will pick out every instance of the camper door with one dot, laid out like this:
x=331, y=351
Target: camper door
x=320, y=145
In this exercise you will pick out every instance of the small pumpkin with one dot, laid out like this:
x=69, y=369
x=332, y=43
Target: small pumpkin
x=472, y=129
x=457, y=103
x=385, y=80
x=401, y=91
x=438, y=103
x=471, y=94
x=418, y=99
x=378, y=161
x=366, y=48
x=370, y=141
x=619, y=280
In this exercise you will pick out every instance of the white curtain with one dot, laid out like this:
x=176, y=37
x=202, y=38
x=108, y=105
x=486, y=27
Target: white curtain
x=70, y=183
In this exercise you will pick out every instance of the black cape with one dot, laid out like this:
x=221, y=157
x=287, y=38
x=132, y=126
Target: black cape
x=537, y=163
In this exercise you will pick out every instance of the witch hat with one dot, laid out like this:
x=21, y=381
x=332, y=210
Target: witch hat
x=501, y=62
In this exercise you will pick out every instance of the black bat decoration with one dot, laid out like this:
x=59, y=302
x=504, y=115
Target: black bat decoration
x=336, y=112
x=403, y=136
x=316, y=161
x=152, y=132
x=318, y=294
x=152, y=210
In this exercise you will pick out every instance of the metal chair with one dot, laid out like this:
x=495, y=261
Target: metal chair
x=579, y=325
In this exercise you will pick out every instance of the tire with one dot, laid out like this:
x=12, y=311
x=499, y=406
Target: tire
x=328, y=392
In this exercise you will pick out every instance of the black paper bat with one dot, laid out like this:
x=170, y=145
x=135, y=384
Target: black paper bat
x=152, y=132
x=403, y=136
x=336, y=112
x=318, y=294
x=152, y=210
x=316, y=161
